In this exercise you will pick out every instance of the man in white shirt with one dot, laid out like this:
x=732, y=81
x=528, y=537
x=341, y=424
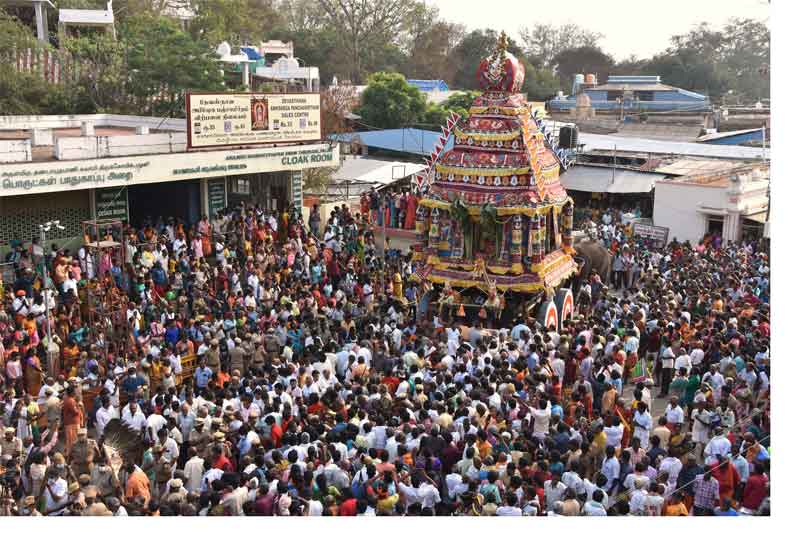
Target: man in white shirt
x=542, y=417
x=610, y=468
x=673, y=412
x=175, y=361
x=719, y=445
x=716, y=381
x=595, y=506
x=672, y=466
x=154, y=423
x=209, y=477
x=697, y=355
x=104, y=414
x=510, y=508
x=668, y=367
x=553, y=490
x=637, y=498
x=56, y=495
x=614, y=433
x=428, y=494
x=453, y=339
x=682, y=361
x=133, y=418
x=194, y=470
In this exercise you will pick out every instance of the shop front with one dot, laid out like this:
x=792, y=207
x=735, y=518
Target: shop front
x=184, y=185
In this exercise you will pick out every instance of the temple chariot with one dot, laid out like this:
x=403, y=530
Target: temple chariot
x=494, y=223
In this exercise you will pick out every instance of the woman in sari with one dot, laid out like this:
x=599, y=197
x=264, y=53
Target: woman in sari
x=34, y=376
x=205, y=229
x=197, y=246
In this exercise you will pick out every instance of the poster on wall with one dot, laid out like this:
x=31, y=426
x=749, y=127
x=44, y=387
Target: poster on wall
x=111, y=203
x=218, y=120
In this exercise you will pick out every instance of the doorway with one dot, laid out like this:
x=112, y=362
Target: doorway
x=714, y=224
x=179, y=199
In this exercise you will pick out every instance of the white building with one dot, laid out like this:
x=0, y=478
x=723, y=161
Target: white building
x=730, y=202
x=288, y=69
x=87, y=18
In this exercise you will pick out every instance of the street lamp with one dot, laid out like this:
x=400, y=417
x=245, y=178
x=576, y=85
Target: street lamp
x=43, y=229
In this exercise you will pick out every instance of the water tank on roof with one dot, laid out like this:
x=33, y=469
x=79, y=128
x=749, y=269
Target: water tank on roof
x=569, y=137
x=578, y=81
x=285, y=64
x=590, y=79
x=224, y=49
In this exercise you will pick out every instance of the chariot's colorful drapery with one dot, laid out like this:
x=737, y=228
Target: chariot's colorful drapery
x=494, y=213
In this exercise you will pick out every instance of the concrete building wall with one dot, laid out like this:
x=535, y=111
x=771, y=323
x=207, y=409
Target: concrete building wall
x=676, y=207
x=78, y=148
x=15, y=150
x=29, y=122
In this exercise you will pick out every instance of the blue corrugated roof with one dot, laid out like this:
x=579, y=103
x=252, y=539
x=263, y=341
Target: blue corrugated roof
x=429, y=85
x=251, y=53
x=408, y=140
x=692, y=94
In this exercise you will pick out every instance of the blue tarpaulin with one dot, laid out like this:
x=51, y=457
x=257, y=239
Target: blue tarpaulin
x=251, y=53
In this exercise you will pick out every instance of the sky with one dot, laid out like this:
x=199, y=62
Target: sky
x=627, y=27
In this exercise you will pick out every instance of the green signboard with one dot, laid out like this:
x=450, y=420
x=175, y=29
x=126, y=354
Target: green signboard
x=216, y=196
x=297, y=188
x=112, y=204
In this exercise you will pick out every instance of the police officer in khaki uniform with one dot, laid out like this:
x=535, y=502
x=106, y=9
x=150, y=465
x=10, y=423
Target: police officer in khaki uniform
x=199, y=438
x=237, y=356
x=213, y=356
x=259, y=355
x=84, y=452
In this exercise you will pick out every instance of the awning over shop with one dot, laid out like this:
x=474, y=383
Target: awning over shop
x=602, y=179
x=759, y=217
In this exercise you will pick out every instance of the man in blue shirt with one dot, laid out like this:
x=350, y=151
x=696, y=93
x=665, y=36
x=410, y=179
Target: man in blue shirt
x=202, y=375
x=725, y=509
x=533, y=359
x=132, y=382
x=172, y=333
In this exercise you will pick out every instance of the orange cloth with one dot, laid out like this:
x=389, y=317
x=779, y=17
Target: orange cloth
x=138, y=486
x=676, y=510
x=70, y=436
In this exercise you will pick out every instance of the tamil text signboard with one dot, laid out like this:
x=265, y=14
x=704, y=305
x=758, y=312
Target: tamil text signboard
x=218, y=120
x=111, y=203
x=655, y=234
x=216, y=196
x=60, y=176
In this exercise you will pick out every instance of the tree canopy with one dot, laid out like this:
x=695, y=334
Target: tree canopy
x=155, y=58
x=390, y=102
x=585, y=59
x=543, y=42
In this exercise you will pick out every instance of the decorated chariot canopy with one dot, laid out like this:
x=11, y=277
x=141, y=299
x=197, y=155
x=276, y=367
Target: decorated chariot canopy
x=493, y=213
